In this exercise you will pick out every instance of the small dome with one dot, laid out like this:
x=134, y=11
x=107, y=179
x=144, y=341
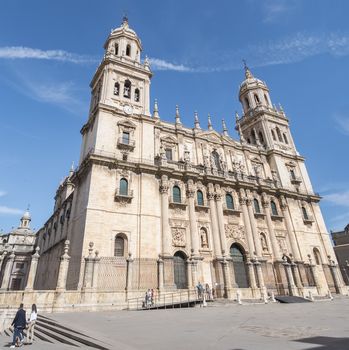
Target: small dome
x=26, y=215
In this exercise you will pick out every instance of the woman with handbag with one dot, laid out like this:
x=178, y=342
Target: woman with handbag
x=31, y=324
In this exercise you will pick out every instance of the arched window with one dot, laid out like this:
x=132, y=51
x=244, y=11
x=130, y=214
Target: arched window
x=305, y=214
x=248, y=141
x=279, y=134
x=317, y=256
x=266, y=99
x=293, y=175
x=200, y=197
x=128, y=50
x=274, y=209
x=247, y=102
x=123, y=187
x=176, y=193
x=119, y=246
x=216, y=160
x=257, y=208
x=127, y=89
x=253, y=137
x=273, y=135
x=116, y=89
x=285, y=138
x=229, y=201
x=116, y=49
x=256, y=98
x=137, y=95
x=261, y=138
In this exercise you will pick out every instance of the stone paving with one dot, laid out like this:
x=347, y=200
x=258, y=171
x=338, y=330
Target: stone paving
x=321, y=325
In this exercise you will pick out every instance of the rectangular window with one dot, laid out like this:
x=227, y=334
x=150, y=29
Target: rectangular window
x=19, y=266
x=169, y=153
x=16, y=284
x=125, y=138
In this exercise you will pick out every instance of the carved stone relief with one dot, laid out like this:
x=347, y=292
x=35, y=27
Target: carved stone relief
x=178, y=237
x=235, y=231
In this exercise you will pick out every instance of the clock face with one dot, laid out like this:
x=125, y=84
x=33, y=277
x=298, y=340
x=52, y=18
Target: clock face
x=128, y=109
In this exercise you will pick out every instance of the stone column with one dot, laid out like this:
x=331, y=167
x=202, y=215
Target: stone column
x=32, y=270
x=193, y=273
x=2, y=257
x=275, y=247
x=7, y=271
x=192, y=219
x=88, y=273
x=160, y=273
x=63, y=269
x=255, y=234
x=129, y=261
x=246, y=219
x=291, y=286
x=297, y=276
x=291, y=233
x=251, y=275
x=214, y=223
x=166, y=237
x=336, y=279
x=220, y=218
x=226, y=278
x=96, y=261
x=260, y=275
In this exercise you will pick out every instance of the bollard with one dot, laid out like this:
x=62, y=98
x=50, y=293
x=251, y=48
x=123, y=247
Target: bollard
x=330, y=295
x=273, y=297
x=238, y=297
x=311, y=296
x=204, y=303
x=265, y=297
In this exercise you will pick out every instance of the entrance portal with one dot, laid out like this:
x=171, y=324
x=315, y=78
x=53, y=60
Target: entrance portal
x=239, y=266
x=180, y=270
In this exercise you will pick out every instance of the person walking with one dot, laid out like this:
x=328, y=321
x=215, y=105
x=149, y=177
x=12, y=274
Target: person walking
x=18, y=323
x=31, y=324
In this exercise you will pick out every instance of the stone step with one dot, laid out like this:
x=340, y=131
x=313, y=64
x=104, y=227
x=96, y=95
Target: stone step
x=67, y=335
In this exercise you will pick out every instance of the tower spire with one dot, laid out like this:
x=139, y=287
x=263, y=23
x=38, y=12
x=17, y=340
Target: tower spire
x=209, y=122
x=248, y=73
x=156, y=110
x=178, y=118
x=196, y=120
x=225, y=130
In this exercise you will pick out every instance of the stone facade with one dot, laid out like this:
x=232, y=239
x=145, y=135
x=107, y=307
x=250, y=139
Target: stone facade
x=154, y=204
x=341, y=248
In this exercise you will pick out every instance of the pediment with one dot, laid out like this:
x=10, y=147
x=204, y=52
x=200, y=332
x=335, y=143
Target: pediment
x=212, y=136
x=127, y=123
x=168, y=140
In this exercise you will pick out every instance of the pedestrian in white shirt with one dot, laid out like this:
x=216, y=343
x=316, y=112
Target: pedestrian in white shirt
x=31, y=324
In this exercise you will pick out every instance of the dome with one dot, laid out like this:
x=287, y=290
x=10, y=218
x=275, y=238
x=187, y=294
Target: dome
x=26, y=215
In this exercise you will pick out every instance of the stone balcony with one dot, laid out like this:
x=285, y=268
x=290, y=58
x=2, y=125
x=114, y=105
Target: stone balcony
x=126, y=144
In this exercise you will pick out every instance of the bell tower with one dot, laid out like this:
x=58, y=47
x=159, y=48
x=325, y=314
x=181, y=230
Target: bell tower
x=120, y=92
x=262, y=124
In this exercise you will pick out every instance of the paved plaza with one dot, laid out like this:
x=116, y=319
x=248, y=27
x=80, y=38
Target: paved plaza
x=320, y=325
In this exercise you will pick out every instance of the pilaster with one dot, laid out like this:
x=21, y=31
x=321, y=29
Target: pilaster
x=32, y=270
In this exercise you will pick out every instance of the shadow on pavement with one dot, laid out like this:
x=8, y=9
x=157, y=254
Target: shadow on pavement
x=327, y=343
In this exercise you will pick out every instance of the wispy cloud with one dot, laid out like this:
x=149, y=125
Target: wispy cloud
x=10, y=211
x=2, y=193
x=159, y=64
x=21, y=52
x=276, y=9
x=338, y=198
x=342, y=123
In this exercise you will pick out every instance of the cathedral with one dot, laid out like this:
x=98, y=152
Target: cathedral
x=154, y=204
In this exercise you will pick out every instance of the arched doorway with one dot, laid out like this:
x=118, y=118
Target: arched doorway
x=238, y=257
x=180, y=270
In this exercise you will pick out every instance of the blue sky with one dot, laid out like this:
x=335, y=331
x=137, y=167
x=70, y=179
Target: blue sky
x=50, y=50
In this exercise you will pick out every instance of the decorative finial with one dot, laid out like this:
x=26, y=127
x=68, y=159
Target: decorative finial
x=178, y=118
x=156, y=110
x=209, y=122
x=147, y=62
x=124, y=22
x=248, y=73
x=196, y=120
x=225, y=130
x=71, y=172
x=237, y=117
